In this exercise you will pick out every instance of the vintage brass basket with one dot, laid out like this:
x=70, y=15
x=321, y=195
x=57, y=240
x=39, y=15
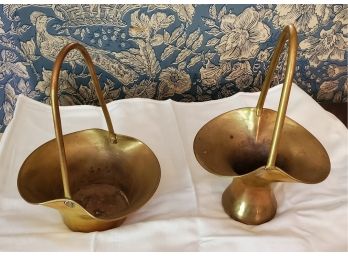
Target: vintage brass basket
x=259, y=146
x=94, y=177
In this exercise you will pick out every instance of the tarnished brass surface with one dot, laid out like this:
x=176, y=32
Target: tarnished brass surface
x=259, y=146
x=94, y=178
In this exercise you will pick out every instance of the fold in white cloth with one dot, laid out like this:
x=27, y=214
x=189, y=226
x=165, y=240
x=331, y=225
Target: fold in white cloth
x=185, y=213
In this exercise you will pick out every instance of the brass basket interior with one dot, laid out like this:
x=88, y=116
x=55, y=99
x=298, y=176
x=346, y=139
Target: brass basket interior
x=129, y=167
x=238, y=142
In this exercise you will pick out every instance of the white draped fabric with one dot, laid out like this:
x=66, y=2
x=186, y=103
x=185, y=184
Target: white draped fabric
x=185, y=213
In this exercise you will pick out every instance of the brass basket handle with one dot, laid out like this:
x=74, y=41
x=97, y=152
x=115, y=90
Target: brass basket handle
x=55, y=107
x=289, y=33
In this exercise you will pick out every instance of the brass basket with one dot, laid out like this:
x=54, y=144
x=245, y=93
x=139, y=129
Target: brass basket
x=259, y=146
x=94, y=177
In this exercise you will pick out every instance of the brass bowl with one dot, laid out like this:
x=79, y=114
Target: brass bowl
x=259, y=146
x=94, y=177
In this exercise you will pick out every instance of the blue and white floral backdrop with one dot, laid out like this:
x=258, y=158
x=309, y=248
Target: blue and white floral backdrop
x=183, y=52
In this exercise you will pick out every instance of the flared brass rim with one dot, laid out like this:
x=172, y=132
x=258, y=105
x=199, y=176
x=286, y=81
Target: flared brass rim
x=278, y=169
x=130, y=210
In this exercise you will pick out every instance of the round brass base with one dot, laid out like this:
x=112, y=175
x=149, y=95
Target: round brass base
x=248, y=203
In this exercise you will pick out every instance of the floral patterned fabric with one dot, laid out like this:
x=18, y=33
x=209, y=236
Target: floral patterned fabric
x=182, y=52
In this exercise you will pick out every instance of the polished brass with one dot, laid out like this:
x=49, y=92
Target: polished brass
x=94, y=177
x=258, y=146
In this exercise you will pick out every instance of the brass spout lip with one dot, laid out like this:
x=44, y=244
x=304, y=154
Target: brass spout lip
x=124, y=214
x=62, y=200
x=47, y=203
x=285, y=176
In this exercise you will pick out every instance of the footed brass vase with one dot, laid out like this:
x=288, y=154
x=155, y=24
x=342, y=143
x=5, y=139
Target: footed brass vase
x=258, y=146
x=93, y=177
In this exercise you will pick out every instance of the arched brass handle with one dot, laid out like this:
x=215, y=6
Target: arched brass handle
x=289, y=33
x=55, y=107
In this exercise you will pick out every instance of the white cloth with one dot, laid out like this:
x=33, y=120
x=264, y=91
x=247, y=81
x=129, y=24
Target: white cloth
x=185, y=213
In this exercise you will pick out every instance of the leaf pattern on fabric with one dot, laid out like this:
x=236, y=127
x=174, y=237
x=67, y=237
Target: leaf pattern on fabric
x=147, y=54
x=183, y=52
x=146, y=89
x=306, y=18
